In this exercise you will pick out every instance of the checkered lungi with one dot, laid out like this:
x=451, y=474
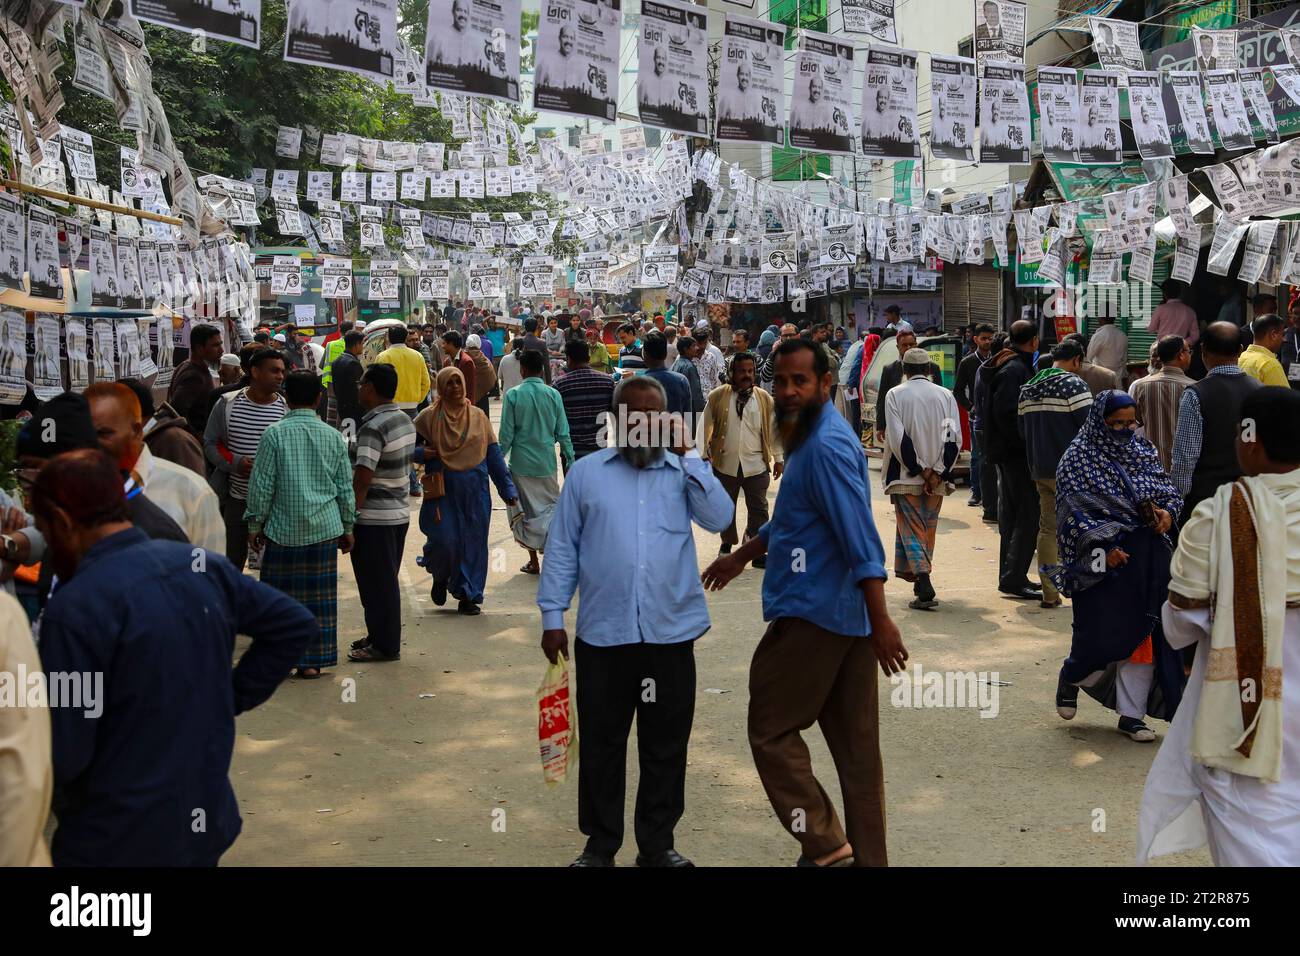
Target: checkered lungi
x=309, y=574
x=918, y=520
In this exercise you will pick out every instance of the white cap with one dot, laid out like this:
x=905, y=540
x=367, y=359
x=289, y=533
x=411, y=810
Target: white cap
x=916, y=357
x=229, y=359
x=279, y=337
x=473, y=342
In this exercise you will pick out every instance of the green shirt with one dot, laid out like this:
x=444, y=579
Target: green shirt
x=532, y=423
x=300, y=491
x=600, y=357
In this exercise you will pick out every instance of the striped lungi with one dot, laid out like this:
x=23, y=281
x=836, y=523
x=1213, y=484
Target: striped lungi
x=918, y=520
x=309, y=574
x=531, y=520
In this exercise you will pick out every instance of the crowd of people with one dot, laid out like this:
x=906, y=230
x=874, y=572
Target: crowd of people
x=1158, y=506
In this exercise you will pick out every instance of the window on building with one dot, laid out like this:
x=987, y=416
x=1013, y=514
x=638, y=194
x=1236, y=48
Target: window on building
x=966, y=47
x=808, y=14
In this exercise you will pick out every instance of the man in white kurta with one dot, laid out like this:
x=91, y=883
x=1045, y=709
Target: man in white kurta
x=1108, y=348
x=1228, y=774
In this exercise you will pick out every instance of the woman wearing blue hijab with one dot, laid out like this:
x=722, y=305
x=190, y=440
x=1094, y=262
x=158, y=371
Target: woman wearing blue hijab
x=1115, y=507
x=771, y=335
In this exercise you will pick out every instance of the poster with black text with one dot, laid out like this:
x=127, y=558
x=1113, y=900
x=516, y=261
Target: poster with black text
x=889, y=104
x=1115, y=44
x=1227, y=109
x=1099, y=142
x=751, y=79
x=360, y=37
x=1146, y=107
x=821, y=106
x=1186, y=85
x=1004, y=114
x=239, y=21
x=473, y=48
x=1058, y=109
x=1255, y=93
x=999, y=32
x=1214, y=49
x=873, y=18
x=952, y=107
x=577, y=70
x=43, y=274
x=672, y=82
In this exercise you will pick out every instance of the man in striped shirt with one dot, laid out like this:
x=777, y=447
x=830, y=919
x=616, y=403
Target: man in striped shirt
x=385, y=442
x=585, y=394
x=1158, y=395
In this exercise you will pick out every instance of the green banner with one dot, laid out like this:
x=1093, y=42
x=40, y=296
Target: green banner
x=909, y=187
x=1216, y=15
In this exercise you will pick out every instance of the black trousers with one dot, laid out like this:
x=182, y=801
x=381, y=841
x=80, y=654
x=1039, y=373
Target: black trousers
x=376, y=560
x=232, y=513
x=756, y=512
x=656, y=682
x=1017, y=524
x=988, y=479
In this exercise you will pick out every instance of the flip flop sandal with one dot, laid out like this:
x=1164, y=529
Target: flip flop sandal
x=529, y=569
x=364, y=642
x=302, y=675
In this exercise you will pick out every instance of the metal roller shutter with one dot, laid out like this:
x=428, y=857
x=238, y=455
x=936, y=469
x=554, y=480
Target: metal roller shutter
x=986, y=295
x=956, y=297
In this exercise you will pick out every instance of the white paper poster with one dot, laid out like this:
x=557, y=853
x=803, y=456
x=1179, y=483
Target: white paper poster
x=1228, y=109
x=873, y=18
x=336, y=278
x=44, y=275
x=1185, y=255
x=751, y=82
x=47, y=374
x=237, y=21
x=286, y=275
x=537, y=276
x=1115, y=44
x=288, y=142
x=952, y=106
x=360, y=37
x=473, y=48
x=1058, y=106
x=1099, y=142
x=658, y=266
x=1146, y=108
x=821, y=107
x=13, y=356
x=1214, y=49
x=577, y=67
x=484, y=280
x=999, y=32
x=433, y=281
x=1257, y=101
x=672, y=82
x=1186, y=85
x=105, y=370
x=1004, y=114
x=384, y=282
x=889, y=129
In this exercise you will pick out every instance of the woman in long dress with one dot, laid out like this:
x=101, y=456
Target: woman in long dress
x=1114, y=508
x=459, y=445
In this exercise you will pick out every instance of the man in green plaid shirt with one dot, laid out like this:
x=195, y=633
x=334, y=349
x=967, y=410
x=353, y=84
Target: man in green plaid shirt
x=301, y=504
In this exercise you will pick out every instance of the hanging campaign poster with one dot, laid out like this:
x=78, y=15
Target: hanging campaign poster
x=1004, y=114
x=821, y=107
x=1228, y=109
x=472, y=47
x=484, y=279
x=13, y=356
x=874, y=18
x=288, y=142
x=433, y=280
x=672, y=82
x=383, y=280
x=999, y=32
x=1214, y=49
x=1058, y=107
x=577, y=58
x=537, y=276
x=47, y=377
x=1146, y=107
x=1099, y=142
x=751, y=81
x=1255, y=92
x=128, y=273
x=889, y=104
x=103, y=268
x=286, y=275
x=360, y=37
x=1186, y=85
x=658, y=266
x=1115, y=44
x=74, y=333
x=952, y=105
x=239, y=21
x=46, y=281
x=336, y=278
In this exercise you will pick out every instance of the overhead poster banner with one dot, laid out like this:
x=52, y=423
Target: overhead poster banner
x=1228, y=109
x=999, y=32
x=873, y=18
x=952, y=105
x=1058, y=105
x=473, y=48
x=1004, y=114
x=823, y=92
x=889, y=104
x=1214, y=49
x=577, y=68
x=672, y=82
x=234, y=20
x=1186, y=85
x=1146, y=107
x=359, y=37
x=1099, y=142
x=751, y=82
x=1115, y=44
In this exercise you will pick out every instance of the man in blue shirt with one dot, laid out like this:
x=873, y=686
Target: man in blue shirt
x=654, y=352
x=142, y=775
x=622, y=536
x=824, y=596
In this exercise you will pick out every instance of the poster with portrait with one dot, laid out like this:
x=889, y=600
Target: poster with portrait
x=103, y=367
x=103, y=269
x=999, y=32
x=537, y=276
x=336, y=278
x=821, y=107
x=44, y=276
x=672, y=82
x=433, y=280
x=129, y=285
x=889, y=129
x=384, y=281
x=1058, y=108
x=658, y=266
x=1146, y=107
x=1115, y=44
x=873, y=18
x=1227, y=109
x=484, y=279
x=472, y=47
x=1186, y=86
x=577, y=67
x=1099, y=142
x=13, y=356
x=74, y=334
x=1255, y=93
x=238, y=21
x=1004, y=114
x=47, y=374
x=952, y=108
x=286, y=275
x=360, y=37
x=1214, y=49
x=751, y=82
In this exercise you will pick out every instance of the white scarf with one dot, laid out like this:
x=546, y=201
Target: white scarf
x=1230, y=733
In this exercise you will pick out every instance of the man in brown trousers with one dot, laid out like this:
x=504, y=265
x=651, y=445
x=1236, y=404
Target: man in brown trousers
x=824, y=596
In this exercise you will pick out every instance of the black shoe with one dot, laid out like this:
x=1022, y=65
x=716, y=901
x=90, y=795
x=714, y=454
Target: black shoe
x=468, y=607
x=1035, y=585
x=592, y=859
x=663, y=858
x=725, y=549
x=1022, y=593
x=1136, y=730
x=974, y=501
x=1067, y=699
x=990, y=519
x=438, y=593
x=759, y=562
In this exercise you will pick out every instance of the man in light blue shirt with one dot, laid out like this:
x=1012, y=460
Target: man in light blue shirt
x=622, y=536
x=824, y=594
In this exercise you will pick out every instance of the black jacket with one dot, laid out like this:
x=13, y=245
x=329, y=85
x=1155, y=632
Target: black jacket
x=1001, y=407
x=890, y=376
x=963, y=389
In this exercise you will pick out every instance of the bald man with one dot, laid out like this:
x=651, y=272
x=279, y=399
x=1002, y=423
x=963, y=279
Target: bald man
x=181, y=494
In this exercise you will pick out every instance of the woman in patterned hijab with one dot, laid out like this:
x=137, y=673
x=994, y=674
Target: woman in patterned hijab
x=1115, y=507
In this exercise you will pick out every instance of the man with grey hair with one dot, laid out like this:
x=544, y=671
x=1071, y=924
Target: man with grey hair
x=621, y=536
